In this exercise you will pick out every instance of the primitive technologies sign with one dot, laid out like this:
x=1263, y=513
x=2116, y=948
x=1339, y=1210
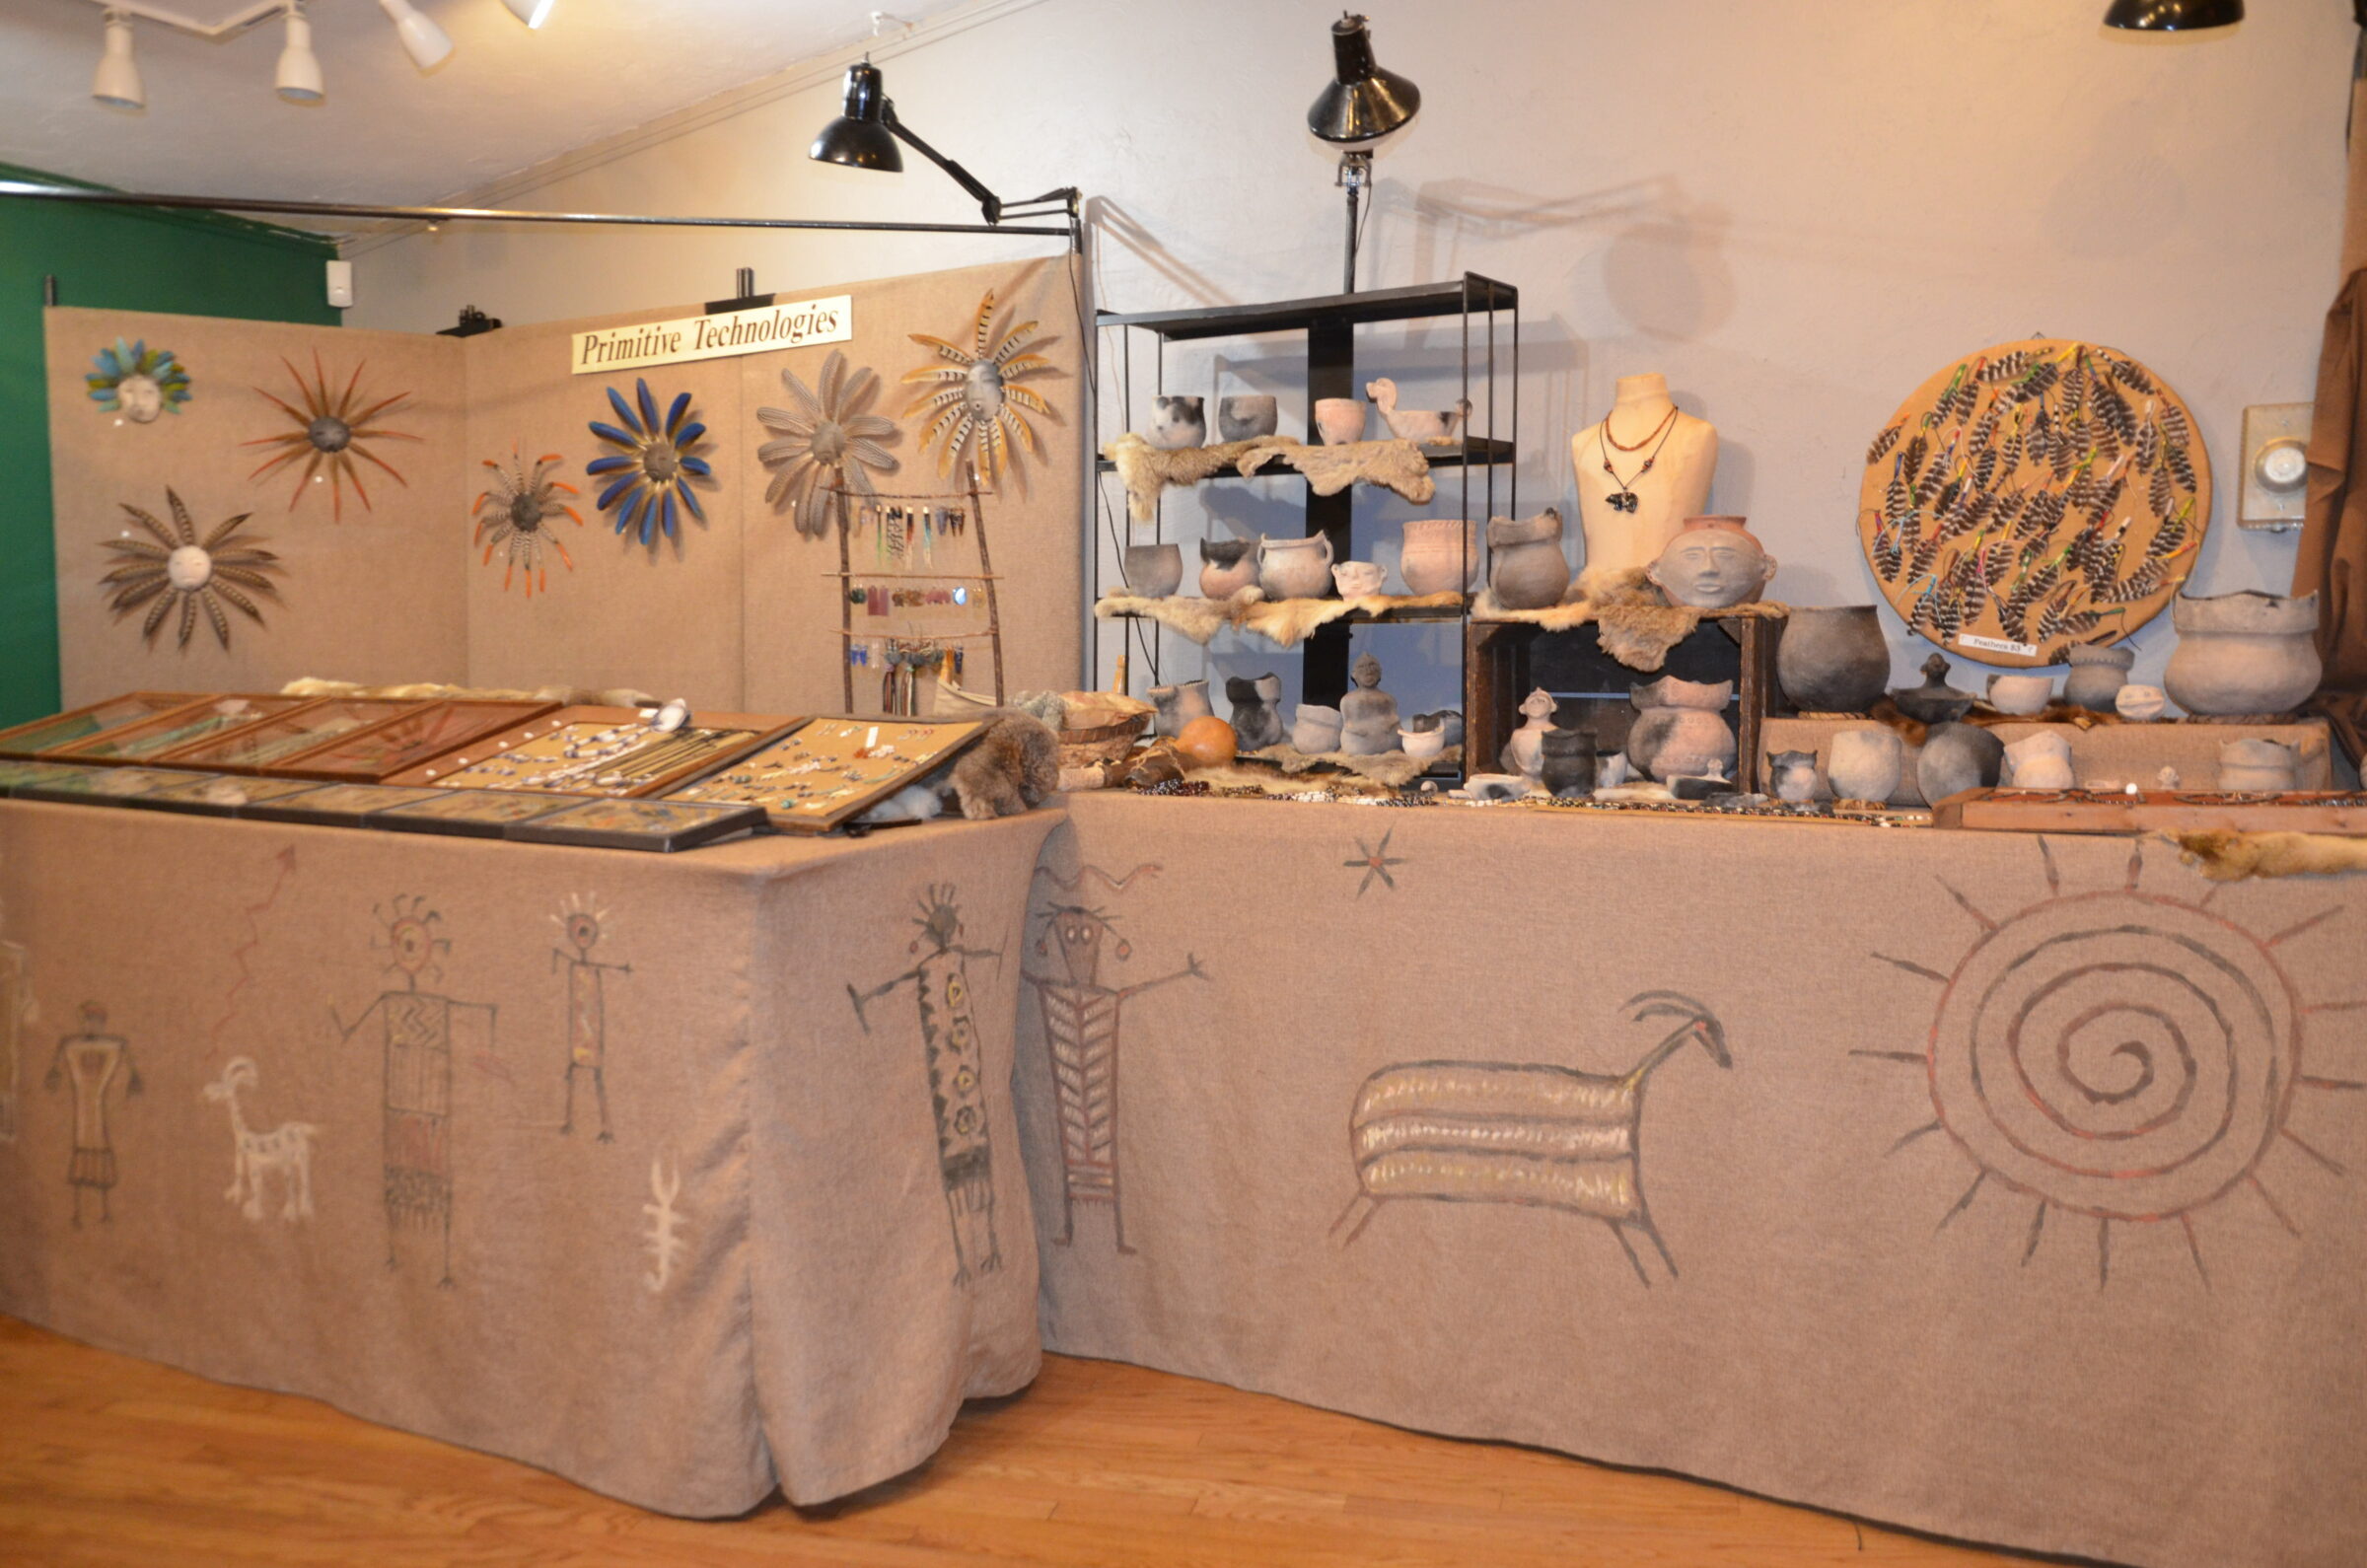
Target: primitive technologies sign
x=770, y=327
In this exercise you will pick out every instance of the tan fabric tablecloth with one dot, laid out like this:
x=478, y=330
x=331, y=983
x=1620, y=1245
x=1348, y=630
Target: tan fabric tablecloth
x=2013, y=1194
x=582, y=1157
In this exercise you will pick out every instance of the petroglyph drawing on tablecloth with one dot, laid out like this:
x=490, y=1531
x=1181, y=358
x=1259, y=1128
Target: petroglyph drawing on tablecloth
x=2123, y=1057
x=583, y=922
x=90, y=1063
x=955, y=1052
x=15, y=1021
x=416, y=1031
x=664, y=1237
x=1529, y=1133
x=286, y=1148
x=1081, y=1017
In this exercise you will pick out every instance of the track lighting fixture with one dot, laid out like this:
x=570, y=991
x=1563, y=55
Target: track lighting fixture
x=422, y=39
x=533, y=13
x=298, y=78
x=116, y=82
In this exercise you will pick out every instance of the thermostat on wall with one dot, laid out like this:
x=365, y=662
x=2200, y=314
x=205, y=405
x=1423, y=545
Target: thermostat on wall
x=340, y=284
x=2277, y=466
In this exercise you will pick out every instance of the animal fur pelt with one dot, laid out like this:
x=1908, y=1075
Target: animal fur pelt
x=1394, y=769
x=1638, y=623
x=2225, y=856
x=1346, y=786
x=1014, y=767
x=1288, y=621
x=1145, y=469
x=1201, y=619
x=568, y=696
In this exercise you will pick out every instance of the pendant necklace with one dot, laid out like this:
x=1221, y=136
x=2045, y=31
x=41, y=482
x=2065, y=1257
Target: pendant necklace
x=1623, y=499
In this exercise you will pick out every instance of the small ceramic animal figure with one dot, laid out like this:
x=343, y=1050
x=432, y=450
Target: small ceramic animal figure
x=1792, y=776
x=1257, y=722
x=1368, y=716
x=1524, y=752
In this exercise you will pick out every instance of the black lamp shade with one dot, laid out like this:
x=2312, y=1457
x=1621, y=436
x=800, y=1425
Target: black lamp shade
x=859, y=138
x=2173, y=16
x=1363, y=103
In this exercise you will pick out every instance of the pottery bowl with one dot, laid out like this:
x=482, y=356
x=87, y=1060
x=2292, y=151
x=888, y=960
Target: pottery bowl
x=1245, y=416
x=1340, y=420
x=1441, y=554
x=1315, y=729
x=2021, y=695
x=1422, y=744
x=1178, y=422
x=1154, y=571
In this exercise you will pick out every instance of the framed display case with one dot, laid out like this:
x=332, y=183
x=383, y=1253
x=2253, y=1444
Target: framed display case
x=437, y=732
x=473, y=814
x=20, y=774
x=222, y=793
x=611, y=752
x=104, y=786
x=77, y=724
x=333, y=804
x=145, y=740
x=833, y=769
x=639, y=824
x=262, y=747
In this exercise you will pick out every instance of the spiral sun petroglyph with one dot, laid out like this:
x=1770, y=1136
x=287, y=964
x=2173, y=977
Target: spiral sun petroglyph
x=2123, y=1057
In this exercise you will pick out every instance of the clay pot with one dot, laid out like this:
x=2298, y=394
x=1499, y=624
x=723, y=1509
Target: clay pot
x=1526, y=569
x=1355, y=578
x=2138, y=703
x=2258, y=765
x=2040, y=761
x=1958, y=757
x=1227, y=566
x=1792, y=776
x=1257, y=722
x=1440, y=554
x=1446, y=720
x=1154, y=571
x=1865, y=764
x=1178, y=705
x=1567, y=763
x=1245, y=417
x=2242, y=653
x=1295, y=568
x=2020, y=694
x=1935, y=701
x=1680, y=729
x=1208, y=742
x=1834, y=660
x=1712, y=563
x=2097, y=676
x=1178, y=422
x=1421, y=745
x=1315, y=729
x=1340, y=420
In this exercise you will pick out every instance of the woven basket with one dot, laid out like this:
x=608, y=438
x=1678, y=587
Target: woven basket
x=1105, y=744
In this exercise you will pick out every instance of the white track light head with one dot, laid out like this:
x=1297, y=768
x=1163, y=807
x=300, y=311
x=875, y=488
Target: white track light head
x=117, y=81
x=299, y=75
x=422, y=39
x=533, y=13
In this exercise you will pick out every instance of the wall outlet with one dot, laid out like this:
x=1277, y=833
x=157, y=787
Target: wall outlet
x=340, y=284
x=2276, y=473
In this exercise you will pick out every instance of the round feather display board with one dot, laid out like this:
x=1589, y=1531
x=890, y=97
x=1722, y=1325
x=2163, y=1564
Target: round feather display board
x=2031, y=497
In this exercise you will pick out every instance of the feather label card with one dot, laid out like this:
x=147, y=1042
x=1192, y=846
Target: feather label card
x=758, y=331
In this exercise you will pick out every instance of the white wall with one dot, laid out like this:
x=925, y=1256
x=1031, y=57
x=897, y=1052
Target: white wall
x=1796, y=210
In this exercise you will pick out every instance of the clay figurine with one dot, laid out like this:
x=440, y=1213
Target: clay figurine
x=2138, y=703
x=1257, y=722
x=1227, y=566
x=1935, y=701
x=1178, y=705
x=1245, y=416
x=1713, y=563
x=1567, y=763
x=1178, y=422
x=1424, y=425
x=1368, y=716
x=1355, y=578
x=2097, y=676
x=1792, y=776
x=1522, y=752
x=1526, y=569
x=1832, y=659
x=1315, y=730
x=2242, y=653
x=1680, y=729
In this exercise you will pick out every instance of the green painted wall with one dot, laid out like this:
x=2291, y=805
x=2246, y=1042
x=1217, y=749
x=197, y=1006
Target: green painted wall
x=129, y=258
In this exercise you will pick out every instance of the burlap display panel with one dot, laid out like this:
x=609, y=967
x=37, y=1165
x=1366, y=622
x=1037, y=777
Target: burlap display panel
x=370, y=592
x=580, y=1157
x=1993, y=1187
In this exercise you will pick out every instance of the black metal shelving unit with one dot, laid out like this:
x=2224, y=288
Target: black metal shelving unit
x=1329, y=321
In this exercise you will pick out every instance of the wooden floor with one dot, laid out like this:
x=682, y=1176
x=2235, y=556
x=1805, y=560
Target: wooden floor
x=105, y=1459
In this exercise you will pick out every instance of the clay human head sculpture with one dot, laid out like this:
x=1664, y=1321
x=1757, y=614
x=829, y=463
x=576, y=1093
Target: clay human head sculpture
x=1366, y=671
x=1712, y=563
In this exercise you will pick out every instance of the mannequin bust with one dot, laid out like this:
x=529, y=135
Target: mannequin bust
x=1632, y=512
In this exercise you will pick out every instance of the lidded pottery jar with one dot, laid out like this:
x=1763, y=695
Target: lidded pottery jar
x=1865, y=764
x=1440, y=554
x=1680, y=729
x=2098, y=673
x=1295, y=568
x=1526, y=569
x=1832, y=659
x=1227, y=566
x=2242, y=653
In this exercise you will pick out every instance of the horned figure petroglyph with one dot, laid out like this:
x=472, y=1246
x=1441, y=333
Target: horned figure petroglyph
x=286, y=1148
x=1519, y=1132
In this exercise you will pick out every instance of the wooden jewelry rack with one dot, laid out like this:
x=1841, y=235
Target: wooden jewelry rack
x=850, y=504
